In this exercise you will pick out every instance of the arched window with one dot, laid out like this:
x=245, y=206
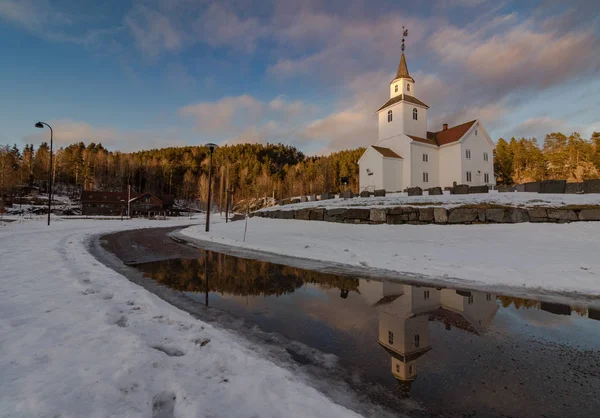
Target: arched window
x=390, y=337
x=407, y=86
x=389, y=115
x=415, y=115
x=417, y=340
x=396, y=88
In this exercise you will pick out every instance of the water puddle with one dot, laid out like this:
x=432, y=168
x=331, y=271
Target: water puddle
x=451, y=352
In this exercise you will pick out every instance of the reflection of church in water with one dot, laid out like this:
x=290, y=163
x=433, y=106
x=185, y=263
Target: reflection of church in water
x=405, y=312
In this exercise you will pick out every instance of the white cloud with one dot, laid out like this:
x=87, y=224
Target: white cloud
x=153, y=32
x=226, y=114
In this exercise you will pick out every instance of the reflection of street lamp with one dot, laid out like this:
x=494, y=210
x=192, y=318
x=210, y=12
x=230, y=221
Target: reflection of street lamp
x=211, y=148
x=41, y=125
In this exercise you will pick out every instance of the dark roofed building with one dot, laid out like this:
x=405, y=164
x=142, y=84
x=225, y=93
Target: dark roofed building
x=97, y=203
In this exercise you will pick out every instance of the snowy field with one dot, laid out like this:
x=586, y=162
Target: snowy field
x=450, y=201
x=555, y=257
x=79, y=340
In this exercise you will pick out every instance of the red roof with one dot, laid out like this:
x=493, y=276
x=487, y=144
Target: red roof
x=444, y=137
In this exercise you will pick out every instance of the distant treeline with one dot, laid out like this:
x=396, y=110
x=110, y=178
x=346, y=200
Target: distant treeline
x=257, y=170
x=561, y=157
x=250, y=170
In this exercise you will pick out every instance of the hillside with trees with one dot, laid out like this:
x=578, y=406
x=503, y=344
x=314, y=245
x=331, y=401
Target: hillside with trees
x=259, y=170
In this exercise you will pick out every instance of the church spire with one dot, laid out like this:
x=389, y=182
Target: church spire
x=402, y=68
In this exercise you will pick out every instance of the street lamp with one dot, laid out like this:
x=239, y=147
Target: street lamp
x=211, y=148
x=41, y=126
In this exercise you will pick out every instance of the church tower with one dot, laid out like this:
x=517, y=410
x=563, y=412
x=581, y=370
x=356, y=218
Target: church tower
x=403, y=113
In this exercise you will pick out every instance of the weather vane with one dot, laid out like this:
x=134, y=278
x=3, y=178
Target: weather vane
x=404, y=35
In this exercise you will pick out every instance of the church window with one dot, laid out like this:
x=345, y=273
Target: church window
x=488, y=297
x=469, y=176
x=475, y=132
x=407, y=86
x=417, y=340
x=415, y=115
x=390, y=337
x=397, y=368
x=425, y=158
x=486, y=156
x=468, y=154
x=410, y=370
x=396, y=88
x=486, y=178
x=426, y=294
x=389, y=115
x=471, y=297
x=425, y=177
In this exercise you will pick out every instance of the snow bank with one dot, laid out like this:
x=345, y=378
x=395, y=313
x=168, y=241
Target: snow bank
x=556, y=257
x=451, y=201
x=80, y=340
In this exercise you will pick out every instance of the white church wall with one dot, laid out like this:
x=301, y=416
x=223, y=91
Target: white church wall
x=449, y=165
x=419, y=166
x=478, y=145
x=373, y=162
x=392, y=174
x=400, y=144
x=393, y=128
x=414, y=127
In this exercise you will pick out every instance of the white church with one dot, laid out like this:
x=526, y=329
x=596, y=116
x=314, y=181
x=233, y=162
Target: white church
x=408, y=155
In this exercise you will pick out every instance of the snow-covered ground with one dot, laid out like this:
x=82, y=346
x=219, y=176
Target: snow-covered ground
x=79, y=340
x=555, y=257
x=450, y=201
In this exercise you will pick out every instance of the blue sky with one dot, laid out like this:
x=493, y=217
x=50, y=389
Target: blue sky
x=147, y=73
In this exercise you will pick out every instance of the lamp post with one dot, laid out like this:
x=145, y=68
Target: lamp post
x=211, y=148
x=41, y=126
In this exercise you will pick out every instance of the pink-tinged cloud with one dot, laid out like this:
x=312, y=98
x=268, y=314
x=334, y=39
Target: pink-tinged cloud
x=218, y=117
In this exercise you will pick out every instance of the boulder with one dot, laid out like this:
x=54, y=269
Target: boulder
x=335, y=215
x=287, y=214
x=562, y=215
x=532, y=187
x=589, y=215
x=516, y=215
x=362, y=214
x=347, y=194
x=537, y=215
x=574, y=188
x=380, y=193
x=435, y=191
x=462, y=215
x=312, y=198
x=378, y=215
x=365, y=193
x=415, y=191
x=553, y=186
x=396, y=219
x=591, y=186
x=303, y=199
x=302, y=214
x=479, y=189
x=440, y=215
x=494, y=215
x=326, y=196
x=295, y=200
x=426, y=215
x=274, y=214
x=317, y=214
x=460, y=189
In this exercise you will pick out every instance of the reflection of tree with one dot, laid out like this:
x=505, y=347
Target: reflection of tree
x=240, y=277
x=534, y=304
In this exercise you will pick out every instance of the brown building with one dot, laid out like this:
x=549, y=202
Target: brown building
x=115, y=203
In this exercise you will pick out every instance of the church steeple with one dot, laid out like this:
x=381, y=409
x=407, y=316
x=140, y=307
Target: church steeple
x=403, y=69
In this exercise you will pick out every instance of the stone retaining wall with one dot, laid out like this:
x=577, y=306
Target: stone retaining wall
x=430, y=215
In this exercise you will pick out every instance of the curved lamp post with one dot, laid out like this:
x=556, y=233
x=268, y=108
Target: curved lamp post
x=41, y=125
x=211, y=148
